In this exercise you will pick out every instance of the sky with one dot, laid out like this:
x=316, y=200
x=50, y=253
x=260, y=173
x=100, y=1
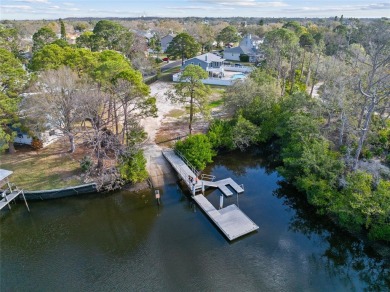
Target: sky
x=54, y=9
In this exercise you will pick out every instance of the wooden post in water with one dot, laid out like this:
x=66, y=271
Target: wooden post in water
x=25, y=201
x=157, y=195
x=6, y=199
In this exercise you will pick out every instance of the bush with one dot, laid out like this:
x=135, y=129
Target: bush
x=158, y=60
x=244, y=58
x=36, y=144
x=133, y=168
x=197, y=149
x=220, y=135
x=388, y=159
x=380, y=232
x=367, y=154
x=86, y=163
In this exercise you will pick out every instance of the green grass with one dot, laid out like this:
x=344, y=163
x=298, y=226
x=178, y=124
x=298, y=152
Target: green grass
x=49, y=168
x=176, y=113
x=216, y=103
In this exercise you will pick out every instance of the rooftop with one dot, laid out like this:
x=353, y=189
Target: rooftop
x=208, y=58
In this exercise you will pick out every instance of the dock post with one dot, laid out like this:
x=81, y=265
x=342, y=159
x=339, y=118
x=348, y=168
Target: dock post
x=157, y=195
x=6, y=199
x=25, y=201
x=221, y=201
x=202, y=187
x=238, y=206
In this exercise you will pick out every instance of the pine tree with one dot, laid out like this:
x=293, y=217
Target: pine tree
x=63, y=31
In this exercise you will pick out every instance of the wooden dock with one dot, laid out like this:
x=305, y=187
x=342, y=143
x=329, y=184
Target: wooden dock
x=195, y=184
x=230, y=220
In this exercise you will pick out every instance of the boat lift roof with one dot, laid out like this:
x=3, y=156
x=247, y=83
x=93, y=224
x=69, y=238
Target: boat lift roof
x=5, y=173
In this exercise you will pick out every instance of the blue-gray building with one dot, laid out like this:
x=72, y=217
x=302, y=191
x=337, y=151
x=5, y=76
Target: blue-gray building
x=209, y=62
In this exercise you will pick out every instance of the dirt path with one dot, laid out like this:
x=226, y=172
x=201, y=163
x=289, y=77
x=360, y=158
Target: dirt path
x=169, y=124
x=158, y=168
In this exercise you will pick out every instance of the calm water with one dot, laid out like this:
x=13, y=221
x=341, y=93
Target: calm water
x=124, y=242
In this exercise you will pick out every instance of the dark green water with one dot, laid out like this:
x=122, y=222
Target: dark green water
x=124, y=242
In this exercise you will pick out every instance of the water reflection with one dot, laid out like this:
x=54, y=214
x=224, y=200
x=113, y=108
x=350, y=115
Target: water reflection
x=343, y=255
x=126, y=242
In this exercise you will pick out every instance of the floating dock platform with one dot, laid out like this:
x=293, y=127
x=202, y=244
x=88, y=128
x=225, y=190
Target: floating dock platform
x=230, y=220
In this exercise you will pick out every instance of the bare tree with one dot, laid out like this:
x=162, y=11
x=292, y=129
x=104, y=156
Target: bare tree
x=56, y=105
x=374, y=80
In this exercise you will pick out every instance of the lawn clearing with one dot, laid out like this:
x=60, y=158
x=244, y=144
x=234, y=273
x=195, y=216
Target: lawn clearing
x=49, y=168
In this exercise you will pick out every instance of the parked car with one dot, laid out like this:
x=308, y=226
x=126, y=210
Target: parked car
x=166, y=59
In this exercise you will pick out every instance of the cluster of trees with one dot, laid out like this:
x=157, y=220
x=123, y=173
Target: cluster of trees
x=334, y=145
x=95, y=98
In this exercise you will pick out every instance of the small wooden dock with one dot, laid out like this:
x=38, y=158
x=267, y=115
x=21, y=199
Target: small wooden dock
x=230, y=220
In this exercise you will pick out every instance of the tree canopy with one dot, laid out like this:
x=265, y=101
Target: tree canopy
x=183, y=46
x=228, y=35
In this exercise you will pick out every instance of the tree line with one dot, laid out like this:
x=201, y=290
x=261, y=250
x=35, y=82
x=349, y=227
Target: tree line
x=95, y=98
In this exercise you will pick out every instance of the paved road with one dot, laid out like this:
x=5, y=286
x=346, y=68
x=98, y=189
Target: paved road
x=170, y=65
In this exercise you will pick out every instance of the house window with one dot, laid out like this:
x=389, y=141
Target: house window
x=198, y=64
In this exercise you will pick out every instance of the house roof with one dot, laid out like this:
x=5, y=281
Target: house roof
x=208, y=58
x=241, y=50
x=168, y=36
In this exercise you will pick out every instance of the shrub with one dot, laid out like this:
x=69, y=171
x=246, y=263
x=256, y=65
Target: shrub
x=197, y=149
x=158, y=60
x=86, y=163
x=133, y=167
x=367, y=154
x=36, y=144
x=244, y=58
x=380, y=232
x=220, y=135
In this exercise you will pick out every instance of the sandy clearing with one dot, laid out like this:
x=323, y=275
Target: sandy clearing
x=158, y=168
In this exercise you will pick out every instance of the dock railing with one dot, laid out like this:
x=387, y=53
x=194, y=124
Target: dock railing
x=207, y=177
x=193, y=169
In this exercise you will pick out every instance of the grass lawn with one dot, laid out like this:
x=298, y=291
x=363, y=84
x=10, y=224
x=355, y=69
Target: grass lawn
x=176, y=113
x=216, y=103
x=49, y=168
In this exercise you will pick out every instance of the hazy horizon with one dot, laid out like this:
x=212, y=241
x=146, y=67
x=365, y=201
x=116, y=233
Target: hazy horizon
x=54, y=9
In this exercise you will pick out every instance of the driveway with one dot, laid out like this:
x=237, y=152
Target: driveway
x=170, y=65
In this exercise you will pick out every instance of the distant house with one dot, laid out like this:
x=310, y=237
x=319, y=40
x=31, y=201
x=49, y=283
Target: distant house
x=248, y=46
x=209, y=62
x=165, y=41
x=47, y=137
x=148, y=34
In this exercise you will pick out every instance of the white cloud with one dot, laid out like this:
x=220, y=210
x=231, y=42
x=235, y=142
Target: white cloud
x=344, y=8
x=22, y=7
x=33, y=1
x=204, y=8
x=244, y=3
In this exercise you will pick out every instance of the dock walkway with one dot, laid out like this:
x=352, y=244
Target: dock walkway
x=195, y=185
x=230, y=220
x=9, y=198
